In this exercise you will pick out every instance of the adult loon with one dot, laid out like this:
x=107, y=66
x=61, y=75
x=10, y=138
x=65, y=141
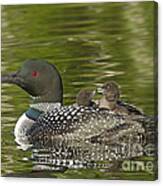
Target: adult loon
x=83, y=133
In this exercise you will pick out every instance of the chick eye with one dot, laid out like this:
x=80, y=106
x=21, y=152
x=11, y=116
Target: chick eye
x=35, y=73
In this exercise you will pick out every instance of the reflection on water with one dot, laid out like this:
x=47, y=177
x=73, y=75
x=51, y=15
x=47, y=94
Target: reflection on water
x=89, y=44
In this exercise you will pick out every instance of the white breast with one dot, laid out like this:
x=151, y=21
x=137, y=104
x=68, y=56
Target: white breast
x=22, y=125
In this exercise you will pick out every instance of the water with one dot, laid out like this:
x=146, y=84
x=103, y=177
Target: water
x=89, y=44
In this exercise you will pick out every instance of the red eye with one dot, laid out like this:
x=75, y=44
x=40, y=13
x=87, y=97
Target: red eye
x=35, y=74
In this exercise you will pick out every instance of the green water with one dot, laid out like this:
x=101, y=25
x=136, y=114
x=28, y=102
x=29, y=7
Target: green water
x=89, y=44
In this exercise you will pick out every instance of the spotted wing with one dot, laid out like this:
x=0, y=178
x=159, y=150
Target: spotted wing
x=75, y=123
x=84, y=133
x=131, y=108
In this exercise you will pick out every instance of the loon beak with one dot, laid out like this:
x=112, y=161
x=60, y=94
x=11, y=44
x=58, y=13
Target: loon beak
x=13, y=78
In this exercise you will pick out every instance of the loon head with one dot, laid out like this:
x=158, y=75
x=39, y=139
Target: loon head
x=111, y=91
x=38, y=78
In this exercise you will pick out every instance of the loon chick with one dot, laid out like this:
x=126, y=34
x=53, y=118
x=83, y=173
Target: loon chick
x=84, y=98
x=70, y=132
x=111, y=100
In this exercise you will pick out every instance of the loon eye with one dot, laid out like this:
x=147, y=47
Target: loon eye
x=35, y=73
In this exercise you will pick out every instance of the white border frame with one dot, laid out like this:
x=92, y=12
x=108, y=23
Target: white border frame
x=68, y=182
x=62, y=1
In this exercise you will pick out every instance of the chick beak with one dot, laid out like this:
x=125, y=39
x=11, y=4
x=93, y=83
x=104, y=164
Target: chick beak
x=100, y=90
